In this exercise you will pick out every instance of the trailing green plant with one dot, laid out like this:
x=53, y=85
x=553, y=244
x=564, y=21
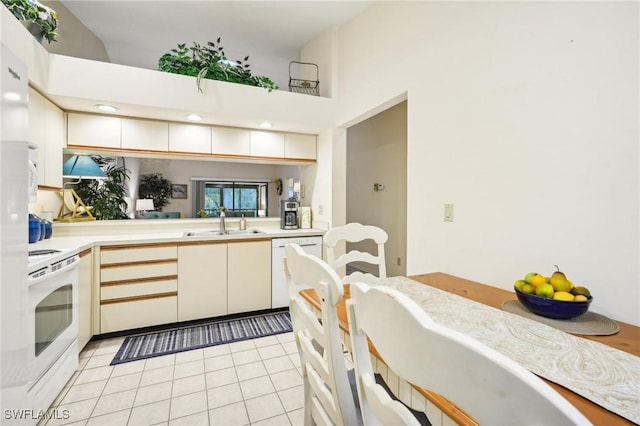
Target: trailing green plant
x=156, y=187
x=107, y=196
x=36, y=13
x=209, y=61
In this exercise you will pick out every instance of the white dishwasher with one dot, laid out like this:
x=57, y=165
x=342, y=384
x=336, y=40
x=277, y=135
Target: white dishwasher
x=279, y=292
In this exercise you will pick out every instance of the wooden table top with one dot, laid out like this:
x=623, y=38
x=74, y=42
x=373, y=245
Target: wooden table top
x=627, y=339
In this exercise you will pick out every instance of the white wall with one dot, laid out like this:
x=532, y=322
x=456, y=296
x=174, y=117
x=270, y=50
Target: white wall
x=525, y=116
x=75, y=39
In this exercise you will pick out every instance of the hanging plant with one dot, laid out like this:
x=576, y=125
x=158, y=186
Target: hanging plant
x=209, y=61
x=39, y=19
x=107, y=195
x=156, y=187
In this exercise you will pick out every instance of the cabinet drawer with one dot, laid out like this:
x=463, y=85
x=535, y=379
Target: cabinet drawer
x=138, y=313
x=141, y=288
x=138, y=271
x=137, y=254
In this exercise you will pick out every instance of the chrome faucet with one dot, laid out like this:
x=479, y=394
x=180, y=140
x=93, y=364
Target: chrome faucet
x=222, y=225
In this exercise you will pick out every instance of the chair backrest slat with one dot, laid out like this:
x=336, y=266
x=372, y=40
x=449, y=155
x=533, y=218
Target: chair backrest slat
x=355, y=233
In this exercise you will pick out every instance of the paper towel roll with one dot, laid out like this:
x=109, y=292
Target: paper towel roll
x=305, y=217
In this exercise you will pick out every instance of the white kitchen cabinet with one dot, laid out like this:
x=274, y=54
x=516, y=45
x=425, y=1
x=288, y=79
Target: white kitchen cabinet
x=36, y=129
x=249, y=276
x=85, y=290
x=47, y=130
x=299, y=146
x=85, y=130
x=202, y=280
x=267, y=144
x=189, y=138
x=230, y=141
x=145, y=135
x=138, y=286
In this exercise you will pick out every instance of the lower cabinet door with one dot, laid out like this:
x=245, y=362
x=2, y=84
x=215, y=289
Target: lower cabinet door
x=127, y=315
x=202, y=281
x=249, y=276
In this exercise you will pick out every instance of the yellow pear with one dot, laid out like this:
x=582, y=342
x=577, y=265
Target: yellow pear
x=581, y=290
x=559, y=281
x=528, y=288
x=518, y=284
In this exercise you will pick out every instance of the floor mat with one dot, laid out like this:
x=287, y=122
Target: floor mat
x=202, y=335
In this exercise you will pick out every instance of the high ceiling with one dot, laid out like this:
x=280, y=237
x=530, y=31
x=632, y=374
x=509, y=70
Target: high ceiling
x=271, y=33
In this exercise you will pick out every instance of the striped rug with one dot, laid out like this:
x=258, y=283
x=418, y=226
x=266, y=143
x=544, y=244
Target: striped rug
x=201, y=335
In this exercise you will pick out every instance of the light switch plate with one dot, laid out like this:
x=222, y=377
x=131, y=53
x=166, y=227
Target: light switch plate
x=448, y=212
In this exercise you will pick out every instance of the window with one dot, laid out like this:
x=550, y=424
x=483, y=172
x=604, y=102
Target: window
x=238, y=198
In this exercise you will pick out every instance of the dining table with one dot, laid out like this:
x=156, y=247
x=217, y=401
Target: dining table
x=608, y=399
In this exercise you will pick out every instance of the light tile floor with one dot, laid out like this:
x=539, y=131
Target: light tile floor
x=253, y=382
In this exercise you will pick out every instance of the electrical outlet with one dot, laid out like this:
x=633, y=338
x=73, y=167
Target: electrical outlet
x=398, y=261
x=320, y=209
x=448, y=212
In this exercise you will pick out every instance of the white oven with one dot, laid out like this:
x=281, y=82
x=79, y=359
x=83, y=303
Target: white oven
x=52, y=324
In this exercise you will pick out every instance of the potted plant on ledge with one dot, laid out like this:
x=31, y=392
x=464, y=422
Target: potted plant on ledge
x=40, y=20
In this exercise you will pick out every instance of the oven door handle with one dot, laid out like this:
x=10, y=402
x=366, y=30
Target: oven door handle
x=54, y=274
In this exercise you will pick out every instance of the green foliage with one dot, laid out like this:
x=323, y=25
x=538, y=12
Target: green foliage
x=209, y=61
x=106, y=196
x=156, y=187
x=39, y=14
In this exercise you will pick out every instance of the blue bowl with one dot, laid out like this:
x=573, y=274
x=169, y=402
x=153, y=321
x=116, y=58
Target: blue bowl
x=552, y=308
x=34, y=229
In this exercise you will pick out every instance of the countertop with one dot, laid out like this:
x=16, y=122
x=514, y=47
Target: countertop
x=85, y=235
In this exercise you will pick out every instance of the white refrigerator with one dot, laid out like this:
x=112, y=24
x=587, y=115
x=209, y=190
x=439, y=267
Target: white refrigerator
x=14, y=238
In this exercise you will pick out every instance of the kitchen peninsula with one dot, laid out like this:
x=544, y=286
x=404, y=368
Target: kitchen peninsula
x=142, y=273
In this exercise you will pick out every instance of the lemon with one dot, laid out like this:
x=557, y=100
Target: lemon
x=563, y=295
x=580, y=298
x=538, y=279
x=544, y=290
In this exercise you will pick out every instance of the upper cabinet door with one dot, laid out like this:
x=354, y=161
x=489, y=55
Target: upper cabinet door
x=229, y=141
x=93, y=130
x=145, y=135
x=189, y=138
x=54, y=145
x=267, y=144
x=36, y=130
x=297, y=146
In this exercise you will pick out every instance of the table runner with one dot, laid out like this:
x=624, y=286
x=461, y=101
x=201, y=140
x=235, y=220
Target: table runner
x=607, y=376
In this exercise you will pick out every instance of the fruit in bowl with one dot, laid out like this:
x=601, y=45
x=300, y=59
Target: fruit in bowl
x=554, y=297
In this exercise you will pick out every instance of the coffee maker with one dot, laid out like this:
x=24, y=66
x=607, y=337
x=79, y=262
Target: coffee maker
x=289, y=214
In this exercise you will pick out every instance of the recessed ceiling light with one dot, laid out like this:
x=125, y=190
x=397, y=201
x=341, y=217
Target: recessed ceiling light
x=266, y=125
x=105, y=108
x=194, y=117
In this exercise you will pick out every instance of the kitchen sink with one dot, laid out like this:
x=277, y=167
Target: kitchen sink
x=219, y=233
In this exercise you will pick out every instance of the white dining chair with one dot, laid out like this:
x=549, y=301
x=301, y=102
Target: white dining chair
x=328, y=396
x=488, y=386
x=357, y=233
